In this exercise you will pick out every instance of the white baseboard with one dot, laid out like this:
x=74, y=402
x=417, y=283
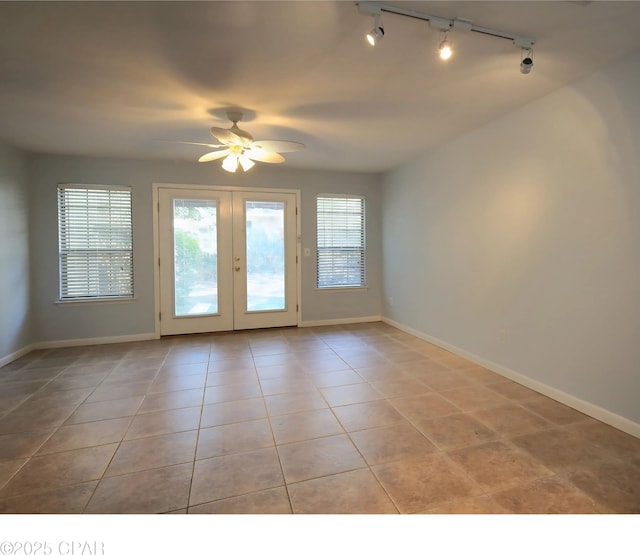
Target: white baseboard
x=94, y=341
x=339, y=321
x=15, y=356
x=599, y=413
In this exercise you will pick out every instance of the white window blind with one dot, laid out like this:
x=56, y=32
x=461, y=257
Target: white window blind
x=341, y=241
x=95, y=242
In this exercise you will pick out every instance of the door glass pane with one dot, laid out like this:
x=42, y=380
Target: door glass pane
x=195, y=255
x=265, y=255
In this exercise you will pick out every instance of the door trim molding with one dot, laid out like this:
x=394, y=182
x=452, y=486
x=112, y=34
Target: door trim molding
x=156, y=231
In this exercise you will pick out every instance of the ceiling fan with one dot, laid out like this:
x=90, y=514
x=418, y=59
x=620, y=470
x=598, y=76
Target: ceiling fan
x=238, y=148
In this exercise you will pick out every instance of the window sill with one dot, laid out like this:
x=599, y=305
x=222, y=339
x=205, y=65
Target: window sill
x=345, y=289
x=69, y=302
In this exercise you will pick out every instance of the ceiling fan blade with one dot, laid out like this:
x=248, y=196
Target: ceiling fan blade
x=278, y=146
x=214, y=155
x=210, y=145
x=229, y=137
x=226, y=136
x=262, y=156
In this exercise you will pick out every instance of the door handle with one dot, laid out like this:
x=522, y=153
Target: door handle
x=237, y=268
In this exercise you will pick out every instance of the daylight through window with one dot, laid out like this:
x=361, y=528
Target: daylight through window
x=95, y=242
x=341, y=241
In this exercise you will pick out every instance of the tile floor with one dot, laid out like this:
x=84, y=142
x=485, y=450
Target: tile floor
x=346, y=419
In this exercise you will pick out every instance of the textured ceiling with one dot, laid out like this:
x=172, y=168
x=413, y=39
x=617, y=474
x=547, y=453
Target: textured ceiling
x=122, y=79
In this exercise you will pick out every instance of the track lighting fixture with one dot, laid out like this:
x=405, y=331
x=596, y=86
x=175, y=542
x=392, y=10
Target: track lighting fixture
x=377, y=33
x=444, y=50
x=445, y=25
x=526, y=63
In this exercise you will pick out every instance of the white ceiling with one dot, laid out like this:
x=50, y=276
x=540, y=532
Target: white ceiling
x=118, y=79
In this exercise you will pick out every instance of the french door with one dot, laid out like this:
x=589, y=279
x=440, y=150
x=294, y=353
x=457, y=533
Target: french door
x=227, y=260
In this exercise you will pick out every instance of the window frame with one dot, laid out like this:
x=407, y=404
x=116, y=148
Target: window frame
x=78, y=240
x=361, y=248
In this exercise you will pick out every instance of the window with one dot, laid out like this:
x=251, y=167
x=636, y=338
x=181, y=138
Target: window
x=341, y=245
x=95, y=242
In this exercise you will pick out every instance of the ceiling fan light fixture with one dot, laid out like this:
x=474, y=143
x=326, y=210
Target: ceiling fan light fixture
x=230, y=163
x=246, y=162
x=377, y=33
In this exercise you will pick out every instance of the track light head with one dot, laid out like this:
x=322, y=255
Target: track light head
x=444, y=50
x=377, y=33
x=526, y=63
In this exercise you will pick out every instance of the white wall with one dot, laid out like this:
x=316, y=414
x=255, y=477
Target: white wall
x=14, y=253
x=56, y=322
x=530, y=224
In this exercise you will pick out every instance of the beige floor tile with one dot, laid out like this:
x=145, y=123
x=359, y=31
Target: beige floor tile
x=153, y=452
x=64, y=382
x=386, y=371
x=233, y=392
x=511, y=420
x=164, y=422
x=54, y=471
x=234, y=411
x=363, y=359
x=150, y=491
x=71, y=416
x=54, y=399
x=271, y=501
x=442, y=379
x=22, y=445
x=498, y=465
x=233, y=438
x=231, y=377
x=233, y=475
x=289, y=403
x=420, y=407
x=109, y=392
x=78, y=436
x=276, y=360
x=313, y=458
x=279, y=386
x=401, y=387
x=129, y=376
x=512, y=390
x=172, y=400
x=559, y=450
x=8, y=469
x=391, y=443
x=171, y=369
x=546, y=496
x=615, y=442
x=613, y=484
x=350, y=394
x=418, y=484
x=455, y=430
x=483, y=505
x=362, y=416
x=474, y=398
x=34, y=418
x=323, y=365
x=177, y=383
x=231, y=364
x=66, y=500
x=481, y=375
x=353, y=492
x=92, y=412
x=333, y=379
x=289, y=428
x=553, y=411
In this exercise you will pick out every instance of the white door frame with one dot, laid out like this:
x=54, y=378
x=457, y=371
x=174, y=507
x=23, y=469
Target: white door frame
x=156, y=232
